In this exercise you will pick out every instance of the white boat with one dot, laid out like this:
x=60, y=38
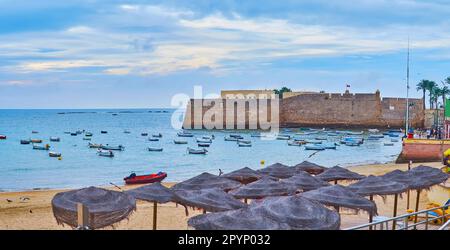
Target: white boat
x=199, y=140
x=55, y=139
x=54, y=154
x=295, y=143
x=197, y=151
x=244, y=141
x=39, y=147
x=105, y=153
x=184, y=134
x=321, y=138
x=93, y=145
x=283, y=137
x=373, y=130
x=118, y=148
x=355, y=133
x=242, y=144
x=313, y=141
x=88, y=134
x=228, y=138
x=153, y=149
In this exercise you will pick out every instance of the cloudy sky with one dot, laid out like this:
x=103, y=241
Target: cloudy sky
x=124, y=54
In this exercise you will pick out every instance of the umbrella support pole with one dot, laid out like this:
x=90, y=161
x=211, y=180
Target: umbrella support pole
x=335, y=182
x=155, y=211
x=408, y=193
x=83, y=216
x=417, y=207
x=370, y=215
x=394, y=222
x=245, y=200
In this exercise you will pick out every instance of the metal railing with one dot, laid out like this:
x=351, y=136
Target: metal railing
x=411, y=221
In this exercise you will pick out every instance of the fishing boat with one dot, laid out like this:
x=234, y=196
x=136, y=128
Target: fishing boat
x=87, y=138
x=144, y=179
x=199, y=140
x=39, y=147
x=295, y=143
x=355, y=133
x=36, y=140
x=93, y=145
x=24, y=142
x=153, y=139
x=321, y=138
x=144, y=134
x=313, y=141
x=34, y=132
x=126, y=132
x=283, y=137
x=373, y=130
x=118, y=148
x=351, y=140
x=236, y=136
x=241, y=144
x=204, y=145
x=244, y=141
x=184, y=134
x=180, y=142
x=207, y=137
x=314, y=147
x=159, y=135
x=104, y=132
x=2, y=137
x=105, y=153
x=54, y=154
x=88, y=134
x=388, y=144
x=55, y=139
x=73, y=134
x=197, y=151
x=153, y=149
x=228, y=138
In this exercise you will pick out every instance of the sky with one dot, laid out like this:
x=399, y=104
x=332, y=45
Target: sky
x=139, y=54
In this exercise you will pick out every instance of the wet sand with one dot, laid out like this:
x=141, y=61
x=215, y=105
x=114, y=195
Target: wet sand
x=36, y=213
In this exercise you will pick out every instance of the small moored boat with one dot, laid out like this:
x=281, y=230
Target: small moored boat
x=55, y=139
x=2, y=137
x=54, y=154
x=118, y=147
x=197, y=151
x=74, y=134
x=242, y=144
x=144, y=134
x=36, y=140
x=126, y=132
x=24, y=142
x=104, y=132
x=153, y=139
x=388, y=144
x=314, y=147
x=39, y=147
x=204, y=140
x=34, y=132
x=180, y=142
x=87, y=138
x=153, y=149
x=88, y=134
x=229, y=138
x=204, y=145
x=295, y=143
x=184, y=134
x=105, y=153
x=144, y=179
x=93, y=145
x=159, y=135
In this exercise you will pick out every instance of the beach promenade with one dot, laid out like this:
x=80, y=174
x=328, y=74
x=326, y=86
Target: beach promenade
x=32, y=209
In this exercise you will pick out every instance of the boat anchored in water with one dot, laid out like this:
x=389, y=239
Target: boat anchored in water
x=185, y=134
x=180, y=142
x=94, y=145
x=54, y=154
x=105, y=153
x=144, y=179
x=39, y=147
x=197, y=151
x=55, y=139
x=314, y=147
x=153, y=149
x=117, y=148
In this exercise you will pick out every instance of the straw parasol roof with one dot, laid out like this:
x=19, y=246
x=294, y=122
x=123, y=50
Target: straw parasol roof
x=310, y=167
x=305, y=182
x=152, y=192
x=403, y=177
x=205, y=181
x=340, y=196
x=337, y=173
x=212, y=200
x=244, y=175
x=425, y=177
x=264, y=187
x=377, y=185
x=278, y=170
x=289, y=212
x=106, y=207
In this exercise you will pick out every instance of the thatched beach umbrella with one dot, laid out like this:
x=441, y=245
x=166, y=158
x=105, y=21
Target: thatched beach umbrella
x=205, y=181
x=244, y=175
x=337, y=173
x=377, y=185
x=289, y=212
x=310, y=167
x=402, y=177
x=106, y=207
x=155, y=193
x=264, y=187
x=305, y=182
x=278, y=170
x=424, y=177
x=210, y=200
x=340, y=196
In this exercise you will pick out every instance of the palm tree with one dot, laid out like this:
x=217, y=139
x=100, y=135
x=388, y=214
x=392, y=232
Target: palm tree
x=444, y=91
x=447, y=80
x=281, y=91
x=432, y=92
x=423, y=85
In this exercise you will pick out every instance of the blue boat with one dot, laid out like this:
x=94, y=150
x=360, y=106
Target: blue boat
x=314, y=147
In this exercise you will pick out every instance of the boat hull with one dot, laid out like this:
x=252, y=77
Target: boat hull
x=145, y=179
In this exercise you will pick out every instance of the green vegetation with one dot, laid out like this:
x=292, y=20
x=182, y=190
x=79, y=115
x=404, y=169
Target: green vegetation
x=281, y=91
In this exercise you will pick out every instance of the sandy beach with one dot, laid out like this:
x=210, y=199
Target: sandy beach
x=36, y=212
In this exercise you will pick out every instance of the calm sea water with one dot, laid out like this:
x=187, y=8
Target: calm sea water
x=22, y=168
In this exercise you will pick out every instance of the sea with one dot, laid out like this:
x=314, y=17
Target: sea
x=22, y=168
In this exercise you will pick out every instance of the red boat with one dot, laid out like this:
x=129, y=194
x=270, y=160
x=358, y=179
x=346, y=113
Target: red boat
x=143, y=179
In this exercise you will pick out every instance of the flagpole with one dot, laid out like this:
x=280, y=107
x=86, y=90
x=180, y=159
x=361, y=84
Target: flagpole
x=407, y=93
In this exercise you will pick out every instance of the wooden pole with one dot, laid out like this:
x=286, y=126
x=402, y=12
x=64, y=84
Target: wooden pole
x=395, y=211
x=245, y=200
x=155, y=211
x=408, y=193
x=83, y=216
x=417, y=206
x=204, y=211
x=370, y=215
x=335, y=182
